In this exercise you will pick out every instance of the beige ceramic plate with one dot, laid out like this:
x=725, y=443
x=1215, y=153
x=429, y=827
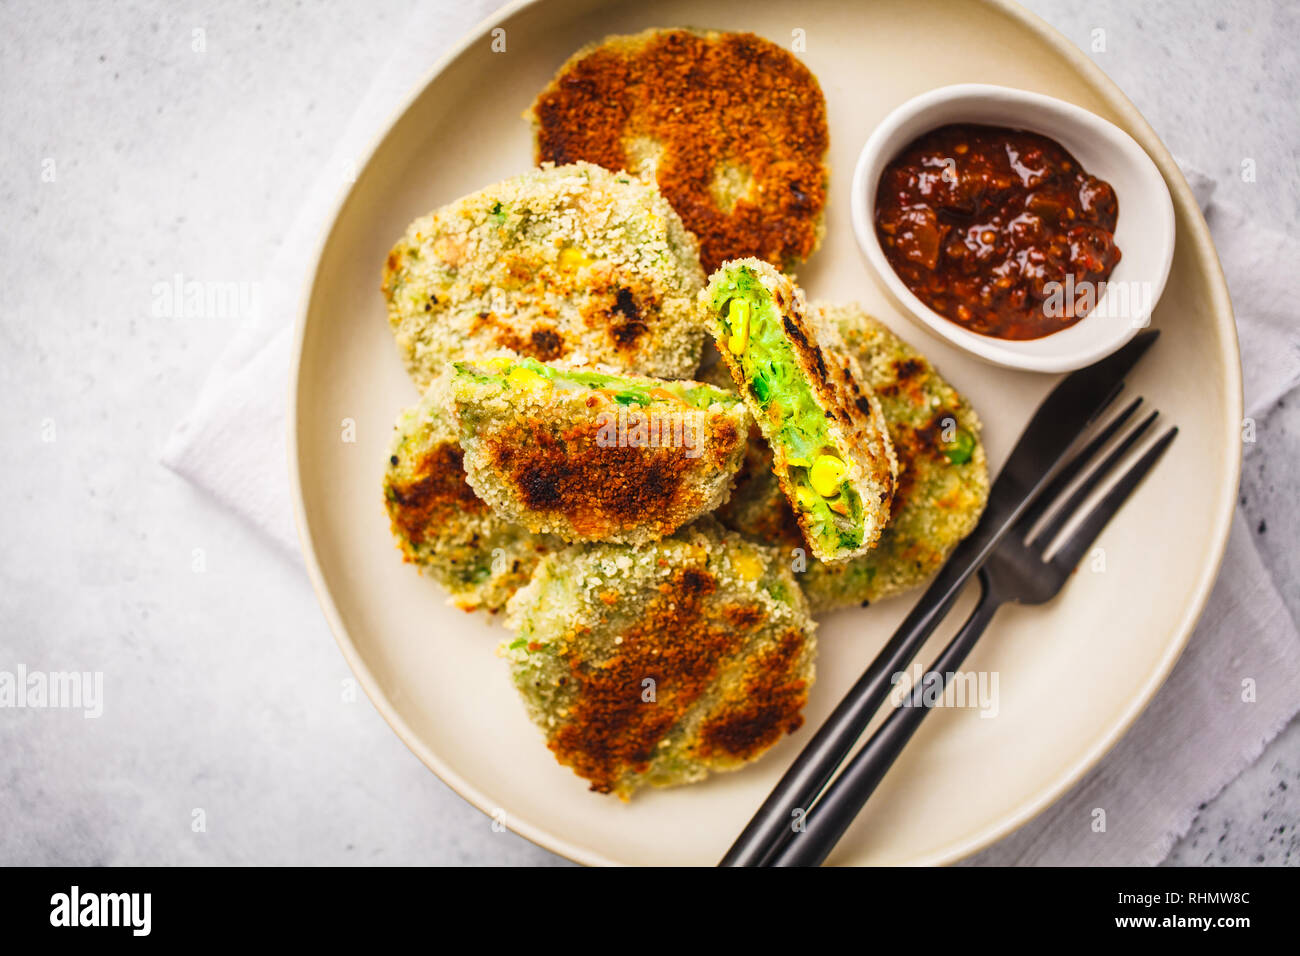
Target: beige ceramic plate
x=1073, y=675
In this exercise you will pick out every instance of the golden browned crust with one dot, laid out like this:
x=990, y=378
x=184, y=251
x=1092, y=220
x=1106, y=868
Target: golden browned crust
x=574, y=461
x=679, y=642
x=713, y=624
x=440, y=524
x=732, y=127
x=434, y=494
x=769, y=703
x=603, y=493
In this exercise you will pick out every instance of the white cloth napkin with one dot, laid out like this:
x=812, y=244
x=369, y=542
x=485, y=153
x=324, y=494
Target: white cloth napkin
x=1196, y=736
x=231, y=443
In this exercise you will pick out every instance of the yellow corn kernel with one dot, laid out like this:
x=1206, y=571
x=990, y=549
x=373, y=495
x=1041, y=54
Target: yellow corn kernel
x=825, y=475
x=527, y=379
x=572, y=258
x=807, y=500
x=738, y=317
x=747, y=566
x=500, y=363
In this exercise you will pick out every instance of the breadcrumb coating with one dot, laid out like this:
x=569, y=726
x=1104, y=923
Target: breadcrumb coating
x=622, y=458
x=440, y=524
x=570, y=262
x=656, y=665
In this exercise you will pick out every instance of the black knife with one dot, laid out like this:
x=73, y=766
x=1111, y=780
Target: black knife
x=1071, y=407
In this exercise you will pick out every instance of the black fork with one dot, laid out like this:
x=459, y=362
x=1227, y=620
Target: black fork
x=1020, y=570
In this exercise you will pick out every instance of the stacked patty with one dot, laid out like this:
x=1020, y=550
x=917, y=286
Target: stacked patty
x=570, y=263
x=440, y=524
x=592, y=456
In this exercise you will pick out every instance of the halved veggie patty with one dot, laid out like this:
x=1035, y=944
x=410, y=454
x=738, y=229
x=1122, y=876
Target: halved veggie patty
x=592, y=456
x=655, y=665
x=831, y=452
x=731, y=126
x=943, y=479
x=570, y=262
x=440, y=524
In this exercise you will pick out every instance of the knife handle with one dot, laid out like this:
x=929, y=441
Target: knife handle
x=840, y=804
x=824, y=753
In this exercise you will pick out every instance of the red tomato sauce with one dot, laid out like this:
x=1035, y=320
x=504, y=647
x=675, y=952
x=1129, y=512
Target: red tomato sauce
x=984, y=224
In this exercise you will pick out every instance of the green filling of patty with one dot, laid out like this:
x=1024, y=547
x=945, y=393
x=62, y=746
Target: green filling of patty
x=793, y=417
x=523, y=375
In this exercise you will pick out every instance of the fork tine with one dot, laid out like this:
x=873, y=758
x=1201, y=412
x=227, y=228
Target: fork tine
x=1071, y=507
x=1072, y=549
x=1070, y=470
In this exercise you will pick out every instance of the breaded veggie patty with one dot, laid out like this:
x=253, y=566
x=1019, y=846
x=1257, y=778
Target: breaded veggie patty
x=731, y=126
x=571, y=262
x=831, y=451
x=438, y=521
x=592, y=456
x=659, y=664
x=943, y=480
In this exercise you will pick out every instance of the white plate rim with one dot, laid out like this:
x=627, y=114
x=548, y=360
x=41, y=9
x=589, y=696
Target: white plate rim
x=1205, y=254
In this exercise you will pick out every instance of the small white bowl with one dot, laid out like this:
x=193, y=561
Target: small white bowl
x=1144, y=230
